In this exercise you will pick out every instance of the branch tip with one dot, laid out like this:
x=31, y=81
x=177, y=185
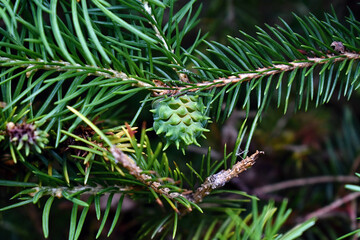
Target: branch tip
x=219, y=179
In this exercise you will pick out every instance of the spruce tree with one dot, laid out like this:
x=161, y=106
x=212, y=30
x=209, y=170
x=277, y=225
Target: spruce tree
x=100, y=101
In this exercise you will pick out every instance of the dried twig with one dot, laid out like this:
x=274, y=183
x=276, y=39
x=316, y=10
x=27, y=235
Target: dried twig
x=219, y=179
x=136, y=171
x=212, y=182
x=327, y=209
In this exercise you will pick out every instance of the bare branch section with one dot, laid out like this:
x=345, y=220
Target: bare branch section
x=219, y=179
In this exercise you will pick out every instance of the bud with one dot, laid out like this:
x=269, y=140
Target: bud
x=26, y=135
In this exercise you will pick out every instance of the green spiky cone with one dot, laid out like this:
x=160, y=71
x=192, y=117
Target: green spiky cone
x=180, y=120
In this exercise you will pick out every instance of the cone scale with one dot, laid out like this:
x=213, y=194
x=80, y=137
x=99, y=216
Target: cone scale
x=180, y=120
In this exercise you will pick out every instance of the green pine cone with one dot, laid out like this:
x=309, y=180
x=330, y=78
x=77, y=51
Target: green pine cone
x=180, y=120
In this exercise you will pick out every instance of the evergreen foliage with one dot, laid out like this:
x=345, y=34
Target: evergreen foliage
x=81, y=76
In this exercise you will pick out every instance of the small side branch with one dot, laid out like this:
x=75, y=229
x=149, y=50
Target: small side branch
x=147, y=8
x=322, y=212
x=182, y=76
x=219, y=179
x=212, y=182
x=136, y=171
x=61, y=66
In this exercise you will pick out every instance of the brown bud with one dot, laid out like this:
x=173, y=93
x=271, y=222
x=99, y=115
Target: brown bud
x=338, y=46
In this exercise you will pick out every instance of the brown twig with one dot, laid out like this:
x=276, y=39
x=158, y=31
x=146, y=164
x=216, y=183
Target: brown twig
x=212, y=182
x=219, y=179
x=327, y=209
x=136, y=171
x=304, y=181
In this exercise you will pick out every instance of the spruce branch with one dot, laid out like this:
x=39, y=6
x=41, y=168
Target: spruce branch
x=132, y=46
x=63, y=66
x=264, y=72
x=160, y=88
x=211, y=183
